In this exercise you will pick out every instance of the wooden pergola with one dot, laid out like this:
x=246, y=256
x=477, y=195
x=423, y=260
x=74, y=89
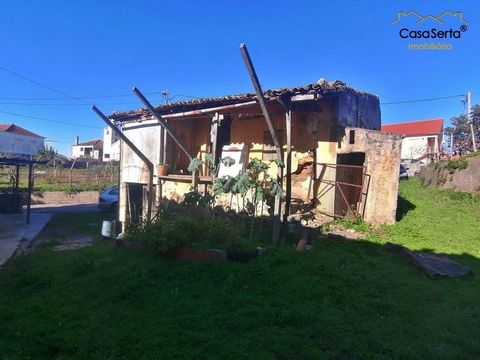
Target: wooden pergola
x=17, y=163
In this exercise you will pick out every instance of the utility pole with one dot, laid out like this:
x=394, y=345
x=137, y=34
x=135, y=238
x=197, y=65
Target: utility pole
x=470, y=120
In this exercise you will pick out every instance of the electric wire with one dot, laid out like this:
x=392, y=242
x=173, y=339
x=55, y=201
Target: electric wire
x=421, y=100
x=49, y=120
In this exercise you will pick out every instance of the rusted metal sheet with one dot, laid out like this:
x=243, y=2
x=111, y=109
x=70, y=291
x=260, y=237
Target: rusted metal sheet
x=350, y=186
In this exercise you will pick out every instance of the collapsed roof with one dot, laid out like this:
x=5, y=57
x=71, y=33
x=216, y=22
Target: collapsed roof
x=321, y=88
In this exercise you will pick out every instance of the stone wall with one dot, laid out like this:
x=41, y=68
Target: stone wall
x=466, y=180
x=382, y=161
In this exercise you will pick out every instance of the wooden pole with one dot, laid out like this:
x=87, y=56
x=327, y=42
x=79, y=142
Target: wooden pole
x=260, y=97
x=165, y=137
x=161, y=147
x=214, y=136
x=263, y=105
x=288, y=191
x=167, y=129
x=71, y=173
x=17, y=176
x=138, y=153
x=29, y=194
x=162, y=122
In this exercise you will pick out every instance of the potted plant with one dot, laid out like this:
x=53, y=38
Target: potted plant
x=162, y=169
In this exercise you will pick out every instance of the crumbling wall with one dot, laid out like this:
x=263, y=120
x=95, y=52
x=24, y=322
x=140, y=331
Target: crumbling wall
x=382, y=160
x=359, y=110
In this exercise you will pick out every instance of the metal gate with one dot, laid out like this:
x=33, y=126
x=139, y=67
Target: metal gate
x=347, y=185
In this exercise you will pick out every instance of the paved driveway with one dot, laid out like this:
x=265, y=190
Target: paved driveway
x=14, y=230
x=71, y=208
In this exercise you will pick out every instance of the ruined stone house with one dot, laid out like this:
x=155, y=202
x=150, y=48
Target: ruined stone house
x=337, y=160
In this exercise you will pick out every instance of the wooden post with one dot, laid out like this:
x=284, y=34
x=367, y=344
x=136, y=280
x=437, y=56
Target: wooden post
x=167, y=129
x=263, y=105
x=165, y=137
x=138, y=153
x=195, y=179
x=288, y=190
x=214, y=136
x=162, y=145
x=29, y=193
x=162, y=122
x=71, y=173
x=17, y=177
x=260, y=97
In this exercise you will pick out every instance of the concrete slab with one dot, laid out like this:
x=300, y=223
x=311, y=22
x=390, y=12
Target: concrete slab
x=14, y=230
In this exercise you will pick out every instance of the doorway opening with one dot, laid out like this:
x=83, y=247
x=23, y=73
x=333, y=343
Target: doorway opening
x=135, y=196
x=223, y=137
x=349, y=178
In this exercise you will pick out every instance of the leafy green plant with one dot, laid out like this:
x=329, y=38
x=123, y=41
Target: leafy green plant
x=253, y=186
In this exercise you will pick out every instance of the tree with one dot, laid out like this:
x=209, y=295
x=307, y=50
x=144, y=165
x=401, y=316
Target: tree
x=448, y=144
x=461, y=132
x=47, y=153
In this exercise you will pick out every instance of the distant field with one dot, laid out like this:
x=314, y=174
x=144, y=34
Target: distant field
x=342, y=300
x=49, y=180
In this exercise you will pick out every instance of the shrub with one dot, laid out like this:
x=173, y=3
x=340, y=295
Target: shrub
x=458, y=164
x=167, y=234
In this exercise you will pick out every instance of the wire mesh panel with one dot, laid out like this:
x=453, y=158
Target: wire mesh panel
x=344, y=185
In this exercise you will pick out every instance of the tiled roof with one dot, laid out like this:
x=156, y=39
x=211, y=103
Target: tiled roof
x=15, y=129
x=97, y=144
x=415, y=128
x=320, y=87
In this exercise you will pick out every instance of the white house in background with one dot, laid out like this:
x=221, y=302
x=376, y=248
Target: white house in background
x=17, y=141
x=422, y=139
x=111, y=145
x=91, y=149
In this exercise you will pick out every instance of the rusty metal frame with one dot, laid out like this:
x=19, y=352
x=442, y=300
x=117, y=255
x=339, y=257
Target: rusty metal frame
x=336, y=185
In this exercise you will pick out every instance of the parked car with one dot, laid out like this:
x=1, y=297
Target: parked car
x=108, y=199
x=403, y=173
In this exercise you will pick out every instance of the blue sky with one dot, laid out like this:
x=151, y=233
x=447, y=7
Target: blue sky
x=95, y=48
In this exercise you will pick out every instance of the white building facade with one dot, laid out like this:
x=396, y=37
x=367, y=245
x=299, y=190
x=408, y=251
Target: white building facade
x=17, y=141
x=422, y=140
x=111, y=145
x=89, y=150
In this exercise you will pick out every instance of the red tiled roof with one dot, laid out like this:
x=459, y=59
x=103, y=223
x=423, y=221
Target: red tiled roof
x=415, y=128
x=15, y=129
x=97, y=144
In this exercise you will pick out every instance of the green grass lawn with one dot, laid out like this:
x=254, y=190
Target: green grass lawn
x=44, y=186
x=344, y=299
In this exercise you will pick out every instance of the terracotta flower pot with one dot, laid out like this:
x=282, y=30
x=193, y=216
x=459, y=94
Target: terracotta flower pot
x=162, y=170
x=194, y=255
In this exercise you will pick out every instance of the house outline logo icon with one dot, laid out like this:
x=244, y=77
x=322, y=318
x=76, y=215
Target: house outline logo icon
x=422, y=18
